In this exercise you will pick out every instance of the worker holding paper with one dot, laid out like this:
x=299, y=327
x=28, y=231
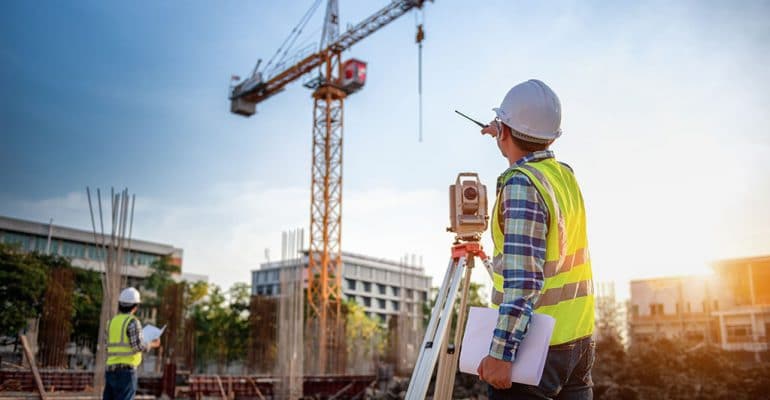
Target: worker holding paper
x=541, y=259
x=125, y=344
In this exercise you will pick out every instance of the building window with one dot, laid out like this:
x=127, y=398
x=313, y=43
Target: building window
x=381, y=288
x=382, y=317
x=738, y=333
x=424, y=296
x=381, y=303
x=395, y=305
x=688, y=307
x=351, y=284
x=367, y=287
x=409, y=294
x=716, y=305
x=396, y=290
x=367, y=301
x=656, y=309
x=269, y=290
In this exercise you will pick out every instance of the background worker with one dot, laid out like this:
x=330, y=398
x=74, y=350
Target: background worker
x=541, y=260
x=125, y=344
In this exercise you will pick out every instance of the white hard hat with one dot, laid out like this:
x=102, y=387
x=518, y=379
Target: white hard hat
x=533, y=111
x=129, y=296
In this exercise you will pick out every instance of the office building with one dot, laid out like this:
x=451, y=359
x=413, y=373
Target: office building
x=79, y=246
x=382, y=287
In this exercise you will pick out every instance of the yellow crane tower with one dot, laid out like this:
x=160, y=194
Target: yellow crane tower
x=336, y=80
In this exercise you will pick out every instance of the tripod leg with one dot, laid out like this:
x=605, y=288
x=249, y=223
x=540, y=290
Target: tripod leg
x=430, y=331
x=447, y=365
x=438, y=328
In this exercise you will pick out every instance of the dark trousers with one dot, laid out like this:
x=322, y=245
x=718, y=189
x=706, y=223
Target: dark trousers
x=567, y=375
x=120, y=384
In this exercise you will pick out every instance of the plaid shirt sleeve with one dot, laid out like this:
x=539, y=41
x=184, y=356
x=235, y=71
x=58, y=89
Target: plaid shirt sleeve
x=135, y=336
x=525, y=226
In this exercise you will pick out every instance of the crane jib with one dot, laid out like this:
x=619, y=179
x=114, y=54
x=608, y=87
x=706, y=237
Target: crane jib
x=275, y=84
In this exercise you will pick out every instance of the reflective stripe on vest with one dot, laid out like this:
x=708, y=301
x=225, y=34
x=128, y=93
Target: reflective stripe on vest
x=567, y=293
x=119, y=350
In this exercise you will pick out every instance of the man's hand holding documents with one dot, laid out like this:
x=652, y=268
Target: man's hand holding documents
x=530, y=357
x=151, y=333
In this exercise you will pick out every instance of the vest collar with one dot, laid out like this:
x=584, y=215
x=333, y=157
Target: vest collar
x=531, y=157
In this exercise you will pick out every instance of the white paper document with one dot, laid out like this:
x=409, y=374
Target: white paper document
x=530, y=358
x=151, y=332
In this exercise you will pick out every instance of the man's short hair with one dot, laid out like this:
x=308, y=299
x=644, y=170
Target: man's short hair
x=125, y=307
x=526, y=145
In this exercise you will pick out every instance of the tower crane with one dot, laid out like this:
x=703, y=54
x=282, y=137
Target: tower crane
x=336, y=80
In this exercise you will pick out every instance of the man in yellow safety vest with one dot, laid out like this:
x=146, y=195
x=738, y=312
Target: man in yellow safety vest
x=125, y=344
x=541, y=259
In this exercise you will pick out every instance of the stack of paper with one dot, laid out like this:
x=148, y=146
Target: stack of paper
x=151, y=332
x=530, y=358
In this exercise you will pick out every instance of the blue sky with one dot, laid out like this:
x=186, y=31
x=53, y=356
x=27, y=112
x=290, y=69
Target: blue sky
x=665, y=120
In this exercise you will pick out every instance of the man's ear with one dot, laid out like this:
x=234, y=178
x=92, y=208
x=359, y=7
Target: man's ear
x=505, y=135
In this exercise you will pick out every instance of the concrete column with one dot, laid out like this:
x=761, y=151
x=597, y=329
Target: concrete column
x=754, y=336
x=723, y=331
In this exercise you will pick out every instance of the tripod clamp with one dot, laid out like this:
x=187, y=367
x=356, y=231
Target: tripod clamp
x=474, y=248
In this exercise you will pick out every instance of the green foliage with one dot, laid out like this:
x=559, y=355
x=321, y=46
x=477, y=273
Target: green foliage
x=87, y=301
x=22, y=284
x=23, y=280
x=195, y=292
x=221, y=322
x=367, y=335
x=160, y=277
x=237, y=323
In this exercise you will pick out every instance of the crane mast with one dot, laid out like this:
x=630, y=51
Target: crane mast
x=337, y=79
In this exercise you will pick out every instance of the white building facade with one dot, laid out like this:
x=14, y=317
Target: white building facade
x=730, y=308
x=382, y=287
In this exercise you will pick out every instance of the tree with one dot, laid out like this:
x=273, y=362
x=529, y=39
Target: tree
x=163, y=270
x=221, y=324
x=366, y=337
x=22, y=283
x=87, y=301
x=238, y=321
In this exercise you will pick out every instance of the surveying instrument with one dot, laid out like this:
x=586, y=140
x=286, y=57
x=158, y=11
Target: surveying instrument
x=468, y=220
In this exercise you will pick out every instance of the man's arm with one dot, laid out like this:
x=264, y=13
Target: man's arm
x=525, y=226
x=135, y=336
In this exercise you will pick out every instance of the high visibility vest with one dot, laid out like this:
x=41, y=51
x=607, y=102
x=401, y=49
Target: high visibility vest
x=119, y=349
x=567, y=293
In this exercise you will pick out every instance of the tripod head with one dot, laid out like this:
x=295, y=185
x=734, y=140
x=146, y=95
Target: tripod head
x=468, y=208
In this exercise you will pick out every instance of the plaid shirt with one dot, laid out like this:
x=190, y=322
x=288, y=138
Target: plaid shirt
x=525, y=226
x=135, y=336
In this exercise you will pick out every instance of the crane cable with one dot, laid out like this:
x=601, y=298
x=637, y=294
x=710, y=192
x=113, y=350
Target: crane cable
x=419, y=37
x=291, y=39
